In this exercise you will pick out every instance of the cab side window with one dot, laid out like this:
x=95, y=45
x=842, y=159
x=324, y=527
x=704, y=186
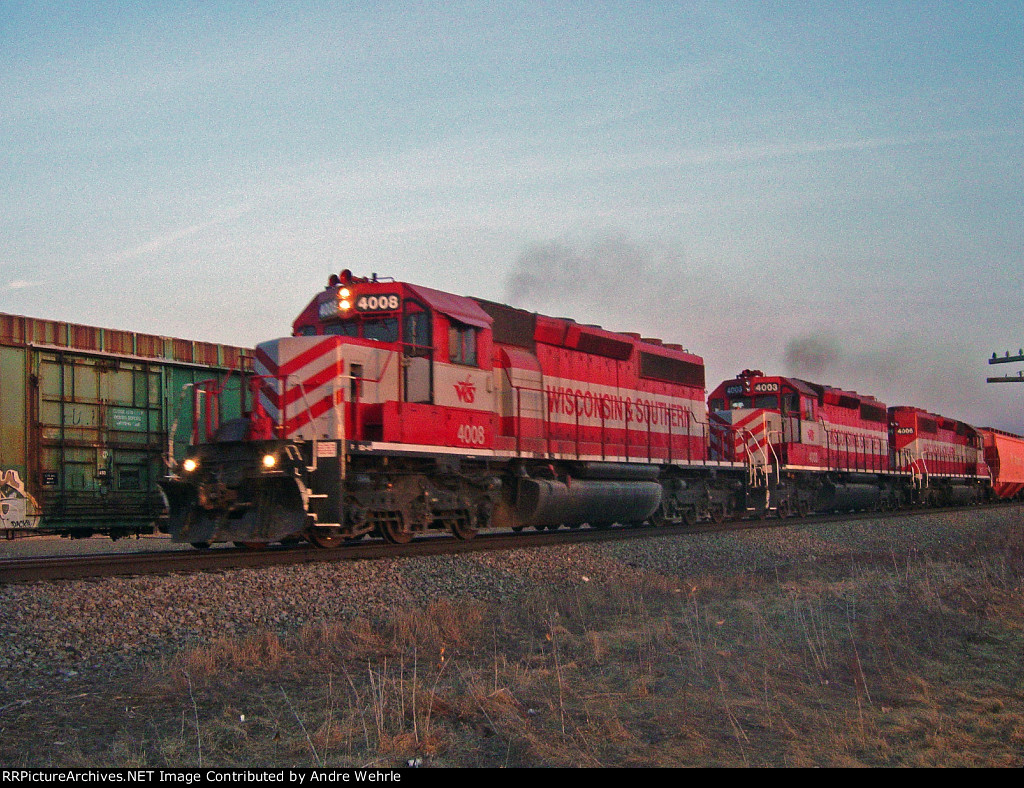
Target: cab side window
x=462, y=343
x=416, y=331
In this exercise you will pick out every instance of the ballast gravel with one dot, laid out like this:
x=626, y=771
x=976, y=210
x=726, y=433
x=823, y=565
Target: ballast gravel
x=52, y=632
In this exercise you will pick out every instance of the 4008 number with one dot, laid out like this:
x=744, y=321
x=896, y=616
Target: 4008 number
x=381, y=303
x=471, y=435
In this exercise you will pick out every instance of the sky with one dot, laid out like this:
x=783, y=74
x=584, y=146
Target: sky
x=832, y=191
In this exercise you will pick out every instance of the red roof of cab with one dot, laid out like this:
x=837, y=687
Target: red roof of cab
x=463, y=309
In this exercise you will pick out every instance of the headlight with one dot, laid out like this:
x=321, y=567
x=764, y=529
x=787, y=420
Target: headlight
x=190, y=465
x=344, y=292
x=345, y=305
x=269, y=461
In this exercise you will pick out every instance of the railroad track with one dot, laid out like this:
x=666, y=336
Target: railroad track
x=50, y=568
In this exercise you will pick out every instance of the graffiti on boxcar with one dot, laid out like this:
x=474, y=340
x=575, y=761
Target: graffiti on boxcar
x=18, y=509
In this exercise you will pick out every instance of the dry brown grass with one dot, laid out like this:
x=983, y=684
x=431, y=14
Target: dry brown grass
x=885, y=661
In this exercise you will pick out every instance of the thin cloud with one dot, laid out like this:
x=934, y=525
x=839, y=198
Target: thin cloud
x=24, y=284
x=165, y=240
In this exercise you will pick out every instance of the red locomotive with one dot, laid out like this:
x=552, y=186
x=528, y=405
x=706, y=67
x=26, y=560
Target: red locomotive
x=812, y=446
x=401, y=410
x=943, y=457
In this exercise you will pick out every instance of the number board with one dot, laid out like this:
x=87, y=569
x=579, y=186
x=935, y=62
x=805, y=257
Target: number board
x=383, y=302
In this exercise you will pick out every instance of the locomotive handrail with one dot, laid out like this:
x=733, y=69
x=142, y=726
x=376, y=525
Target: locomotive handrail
x=752, y=469
x=705, y=434
x=309, y=410
x=769, y=433
x=853, y=452
x=169, y=460
x=205, y=388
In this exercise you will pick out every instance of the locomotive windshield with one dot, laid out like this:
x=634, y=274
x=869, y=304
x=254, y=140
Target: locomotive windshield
x=760, y=402
x=380, y=329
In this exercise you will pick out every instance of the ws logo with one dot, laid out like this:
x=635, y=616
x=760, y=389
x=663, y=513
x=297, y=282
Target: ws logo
x=465, y=390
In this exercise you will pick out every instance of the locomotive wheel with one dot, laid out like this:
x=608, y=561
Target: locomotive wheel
x=201, y=545
x=718, y=513
x=461, y=528
x=325, y=538
x=393, y=532
x=782, y=510
x=251, y=545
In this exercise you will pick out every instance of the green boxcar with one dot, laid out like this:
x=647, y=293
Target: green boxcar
x=86, y=422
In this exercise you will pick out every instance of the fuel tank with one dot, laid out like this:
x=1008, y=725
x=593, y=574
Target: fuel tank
x=849, y=495
x=577, y=501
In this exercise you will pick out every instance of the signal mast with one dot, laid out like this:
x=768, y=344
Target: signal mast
x=1007, y=359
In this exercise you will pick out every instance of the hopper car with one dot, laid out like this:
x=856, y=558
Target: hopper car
x=400, y=410
x=1004, y=453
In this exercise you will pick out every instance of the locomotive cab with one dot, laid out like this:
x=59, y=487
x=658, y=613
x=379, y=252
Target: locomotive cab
x=414, y=358
x=762, y=420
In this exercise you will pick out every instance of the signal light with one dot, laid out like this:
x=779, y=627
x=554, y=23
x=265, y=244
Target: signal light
x=269, y=461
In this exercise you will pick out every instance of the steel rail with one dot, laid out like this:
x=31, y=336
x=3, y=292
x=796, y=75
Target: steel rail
x=40, y=569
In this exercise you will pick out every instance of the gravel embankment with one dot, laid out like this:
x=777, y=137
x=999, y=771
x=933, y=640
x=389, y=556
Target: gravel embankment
x=51, y=632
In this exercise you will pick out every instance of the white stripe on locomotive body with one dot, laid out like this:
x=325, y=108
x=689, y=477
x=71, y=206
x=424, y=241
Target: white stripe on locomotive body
x=934, y=454
x=503, y=454
x=594, y=404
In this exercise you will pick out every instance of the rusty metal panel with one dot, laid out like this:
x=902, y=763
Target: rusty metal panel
x=85, y=337
x=149, y=346
x=46, y=332
x=182, y=350
x=12, y=329
x=207, y=353
x=120, y=342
